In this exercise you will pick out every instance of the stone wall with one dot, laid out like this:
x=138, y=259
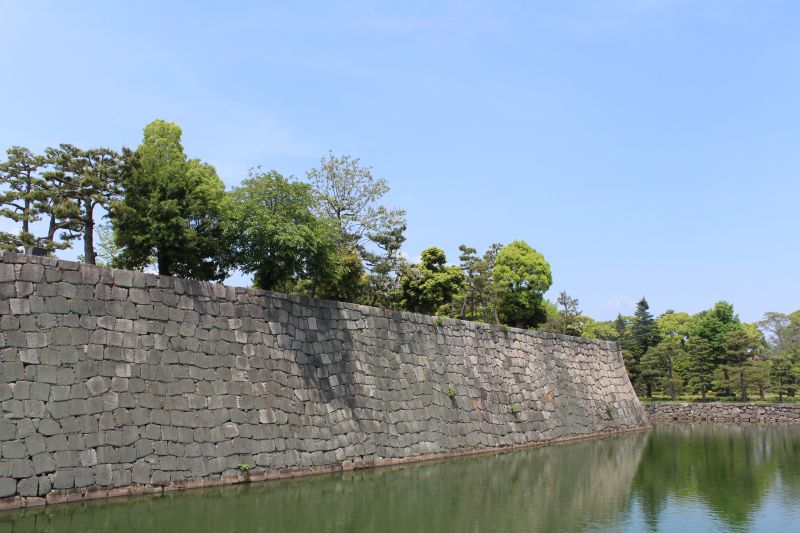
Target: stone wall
x=723, y=412
x=117, y=382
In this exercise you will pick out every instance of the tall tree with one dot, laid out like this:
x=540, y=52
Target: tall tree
x=644, y=334
x=276, y=236
x=350, y=196
x=22, y=193
x=431, y=284
x=171, y=208
x=700, y=364
x=90, y=178
x=713, y=325
x=521, y=276
x=477, y=298
x=742, y=346
x=658, y=364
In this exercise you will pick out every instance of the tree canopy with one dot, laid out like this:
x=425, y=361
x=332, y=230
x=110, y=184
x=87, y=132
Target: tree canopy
x=171, y=209
x=522, y=276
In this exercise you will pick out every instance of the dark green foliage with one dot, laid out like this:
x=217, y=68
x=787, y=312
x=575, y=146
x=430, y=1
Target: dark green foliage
x=172, y=209
x=87, y=179
x=28, y=196
x=430, y=284
x=644, y=334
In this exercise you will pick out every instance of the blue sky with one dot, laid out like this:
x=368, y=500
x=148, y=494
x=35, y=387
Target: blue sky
x=645, y=147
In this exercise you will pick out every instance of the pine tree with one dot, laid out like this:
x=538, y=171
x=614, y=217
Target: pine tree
x=644, y=333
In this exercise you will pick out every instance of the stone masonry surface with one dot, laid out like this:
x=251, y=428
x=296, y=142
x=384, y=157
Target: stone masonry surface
x=724, y=412
x=117, y=382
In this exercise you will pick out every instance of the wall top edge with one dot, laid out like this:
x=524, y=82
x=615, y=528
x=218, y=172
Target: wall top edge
x=191, y=287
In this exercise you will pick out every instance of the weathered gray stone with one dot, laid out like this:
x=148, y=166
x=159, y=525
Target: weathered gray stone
x=111, y=377
x=98, y=385
x=8, y=487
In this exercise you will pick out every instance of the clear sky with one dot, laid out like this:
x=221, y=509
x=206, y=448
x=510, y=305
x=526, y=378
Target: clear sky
x=645, y=147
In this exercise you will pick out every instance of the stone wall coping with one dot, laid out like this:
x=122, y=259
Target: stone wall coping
x=193, y=287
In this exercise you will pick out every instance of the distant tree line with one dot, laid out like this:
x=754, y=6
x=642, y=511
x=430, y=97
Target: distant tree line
x=327, y=236
x=711, y=352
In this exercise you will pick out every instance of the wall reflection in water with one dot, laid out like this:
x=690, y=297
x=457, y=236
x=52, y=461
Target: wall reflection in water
x=630, y=482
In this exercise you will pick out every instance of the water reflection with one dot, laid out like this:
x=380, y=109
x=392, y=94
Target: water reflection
x=722, y=477
x=728, y=469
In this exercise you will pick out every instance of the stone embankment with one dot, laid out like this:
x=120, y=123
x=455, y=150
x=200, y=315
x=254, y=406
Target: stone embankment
x=724, y=412
x=115, y=382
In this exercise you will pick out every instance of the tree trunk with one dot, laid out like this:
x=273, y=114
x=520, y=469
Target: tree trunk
x=703, y=391
x=164, y=266
x=89, y=255
x=649, y=390
x=26, y=214
x=743, y=385
x=671, y=382
x=727, y=380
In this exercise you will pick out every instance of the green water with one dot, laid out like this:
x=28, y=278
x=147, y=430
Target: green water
x=680, y=478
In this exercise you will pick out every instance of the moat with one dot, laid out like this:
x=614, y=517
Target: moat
x=676, y=477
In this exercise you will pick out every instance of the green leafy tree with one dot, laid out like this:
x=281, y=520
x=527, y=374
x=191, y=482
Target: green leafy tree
x=171, y=209
x=713, y=325
x=700, y=365
x=275, y=235
x=431, y=284
x=673, y=323
x=742, y=347
x=349, y=195
x=658, y=362
x=782, y=333
x=783, y=375
x=521, y=277
x=567, y=319
x=603, y=330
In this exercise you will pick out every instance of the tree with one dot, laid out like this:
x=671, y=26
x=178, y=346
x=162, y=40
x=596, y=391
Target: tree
x=644, y=335
x=603, y=330
x=659, y=361
x=673, y=323
x=644, y=328
x=19, y=175
x=700, y=364
x=28, y=196
x=275, y=235
x=782, y=333
x=431, y=284
x=783, y=375
x=521, y=277
x=567, y=319
x=350, y=195
x=382, y=282
x=90, y=178
x=742, y=346
x=713, y=325
x=171, y=208
x=476, y=301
